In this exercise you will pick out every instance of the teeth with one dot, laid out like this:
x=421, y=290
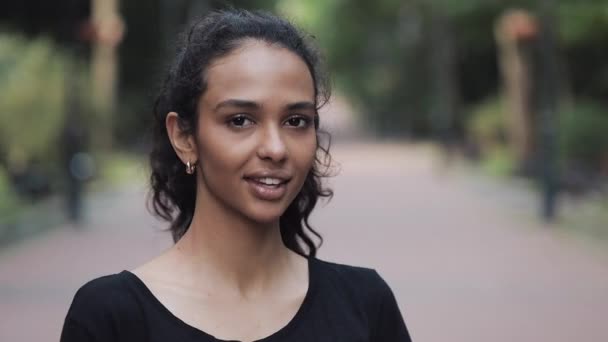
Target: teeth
x=269, y=181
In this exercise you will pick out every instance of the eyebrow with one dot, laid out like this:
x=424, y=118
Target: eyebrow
x=304, y=105
x=238, y=103
x=246, y=104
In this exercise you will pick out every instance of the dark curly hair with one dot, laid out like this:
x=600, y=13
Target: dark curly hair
x=173, y=192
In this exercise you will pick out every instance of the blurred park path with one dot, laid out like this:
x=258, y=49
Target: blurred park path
x=464, y=263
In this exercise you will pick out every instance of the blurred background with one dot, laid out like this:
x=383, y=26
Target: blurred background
x=470, y=140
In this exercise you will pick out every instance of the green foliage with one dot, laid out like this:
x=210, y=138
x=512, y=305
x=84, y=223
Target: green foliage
x=379, y=51
x=40, y=84
x=581, y=19
x=31, y=96
x=487, y=123
x=8, y=200
x=499, y=162
x=583, y=133
x=120, y=169
x=487, y=127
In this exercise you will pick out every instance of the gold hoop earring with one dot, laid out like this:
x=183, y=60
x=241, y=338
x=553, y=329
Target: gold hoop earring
x=190, y=167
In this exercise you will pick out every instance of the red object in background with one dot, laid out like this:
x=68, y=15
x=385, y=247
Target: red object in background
x=521, y=26
x=107, y=32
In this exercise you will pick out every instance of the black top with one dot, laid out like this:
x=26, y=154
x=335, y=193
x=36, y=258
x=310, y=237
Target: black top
x=343, y=303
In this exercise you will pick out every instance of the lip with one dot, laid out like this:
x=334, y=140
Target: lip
x=266, y=192
x=282, y=175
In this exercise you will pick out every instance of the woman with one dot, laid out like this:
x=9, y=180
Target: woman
x=236, y=171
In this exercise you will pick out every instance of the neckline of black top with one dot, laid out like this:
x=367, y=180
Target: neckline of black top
x=296, y=319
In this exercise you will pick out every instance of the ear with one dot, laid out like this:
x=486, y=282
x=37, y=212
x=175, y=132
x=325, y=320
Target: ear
x=183, y=143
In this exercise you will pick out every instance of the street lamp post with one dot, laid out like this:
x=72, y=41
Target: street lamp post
x=547, y=100
x=108, y=30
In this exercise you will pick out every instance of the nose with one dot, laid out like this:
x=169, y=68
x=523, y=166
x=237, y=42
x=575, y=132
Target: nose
x=272, y=146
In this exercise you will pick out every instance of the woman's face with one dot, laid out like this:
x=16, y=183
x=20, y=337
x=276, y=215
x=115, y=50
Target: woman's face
x=255, y=130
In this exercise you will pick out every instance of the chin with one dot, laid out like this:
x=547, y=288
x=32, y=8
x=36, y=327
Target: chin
x=266, y=214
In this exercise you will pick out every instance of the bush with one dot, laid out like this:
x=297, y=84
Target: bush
x=31, y=97
x=583, y=134
x=487, y=124
x=34, y=79
x=8, y=200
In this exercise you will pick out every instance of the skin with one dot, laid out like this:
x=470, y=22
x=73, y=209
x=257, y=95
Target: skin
x=231, y=275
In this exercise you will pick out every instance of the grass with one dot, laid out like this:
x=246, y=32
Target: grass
x=498, y=163
x=586, y=215
x=20, y=218
x=10, y=205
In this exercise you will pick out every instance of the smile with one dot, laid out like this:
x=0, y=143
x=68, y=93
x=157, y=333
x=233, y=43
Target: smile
x=268, y=181
x=267, y=188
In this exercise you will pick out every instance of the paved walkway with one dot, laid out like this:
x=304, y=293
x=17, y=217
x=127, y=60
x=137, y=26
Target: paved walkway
x=465, y=258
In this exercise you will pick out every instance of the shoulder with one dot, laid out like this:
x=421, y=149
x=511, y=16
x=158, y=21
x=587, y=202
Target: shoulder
x=100, y=293
x=108, y=284
x=356, y=278
x=103, y=305
x=361, y=287
x=104, y=309
x=370, y=293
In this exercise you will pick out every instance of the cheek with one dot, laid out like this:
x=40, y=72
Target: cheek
x=220, y=157
x=306, y=152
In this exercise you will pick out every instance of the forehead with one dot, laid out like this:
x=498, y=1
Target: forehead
x=259, y=71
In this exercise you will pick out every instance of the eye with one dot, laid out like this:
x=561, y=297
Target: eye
x=298, y=121
x=240, y=121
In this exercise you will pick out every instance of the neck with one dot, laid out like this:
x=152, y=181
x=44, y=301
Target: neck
x=231, y=250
